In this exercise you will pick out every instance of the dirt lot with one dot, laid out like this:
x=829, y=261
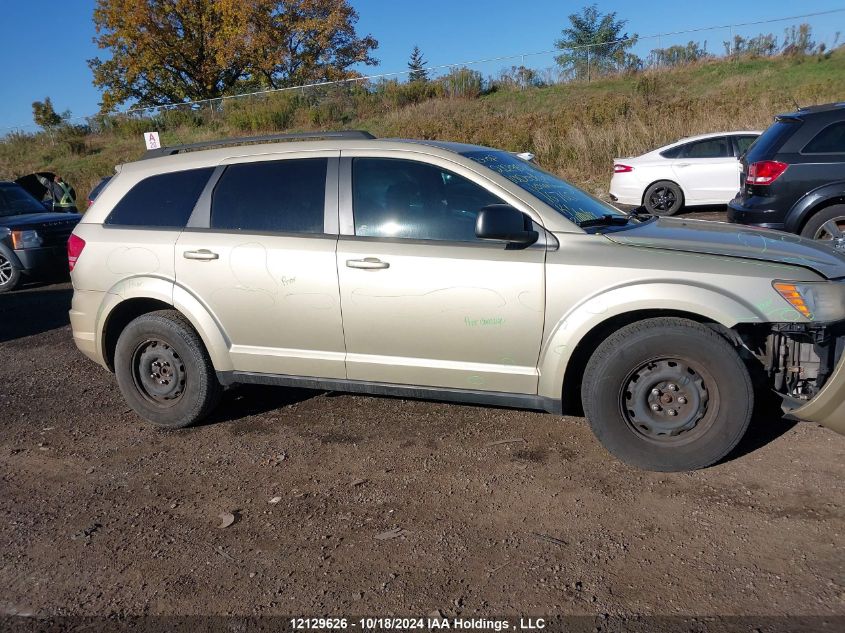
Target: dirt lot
x=100, y=513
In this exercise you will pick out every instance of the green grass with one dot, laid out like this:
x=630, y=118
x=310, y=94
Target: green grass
x=574, y=129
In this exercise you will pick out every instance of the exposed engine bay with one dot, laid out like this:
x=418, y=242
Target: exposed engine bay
x=797, y=359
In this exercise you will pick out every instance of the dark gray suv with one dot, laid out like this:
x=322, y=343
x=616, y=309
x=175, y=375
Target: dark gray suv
x=793, y=176
x=33, y=241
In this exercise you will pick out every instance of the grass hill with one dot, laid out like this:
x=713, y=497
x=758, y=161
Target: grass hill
x=574, y=129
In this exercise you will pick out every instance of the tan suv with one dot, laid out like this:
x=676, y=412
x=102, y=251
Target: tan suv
x=453, y=272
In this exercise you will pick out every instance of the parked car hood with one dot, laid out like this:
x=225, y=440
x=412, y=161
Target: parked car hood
x=34, y=220
x=731, y=240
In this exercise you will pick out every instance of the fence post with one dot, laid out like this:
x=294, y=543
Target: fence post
x=522, y=72
x=588, y=63
x=730, y=41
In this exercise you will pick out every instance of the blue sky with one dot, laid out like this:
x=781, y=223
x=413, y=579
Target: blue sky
x=45, y=45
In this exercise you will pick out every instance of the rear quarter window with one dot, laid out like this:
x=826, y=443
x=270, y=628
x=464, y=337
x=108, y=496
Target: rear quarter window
x=162, y=201
x=831, y=140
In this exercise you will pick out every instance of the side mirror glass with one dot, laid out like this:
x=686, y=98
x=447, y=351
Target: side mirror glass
x=505, y=223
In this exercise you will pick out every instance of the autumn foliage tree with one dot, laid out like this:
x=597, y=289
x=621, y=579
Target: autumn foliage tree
x=169, y=51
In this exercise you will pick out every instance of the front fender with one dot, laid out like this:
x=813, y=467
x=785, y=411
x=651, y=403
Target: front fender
x=570, y=330
x=806, y=205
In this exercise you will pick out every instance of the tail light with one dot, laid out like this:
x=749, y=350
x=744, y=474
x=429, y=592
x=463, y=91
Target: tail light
x=618, y=168
x=764, y=172
x=74, y=249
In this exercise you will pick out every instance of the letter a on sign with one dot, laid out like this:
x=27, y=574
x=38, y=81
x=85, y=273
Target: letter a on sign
x=152, y=141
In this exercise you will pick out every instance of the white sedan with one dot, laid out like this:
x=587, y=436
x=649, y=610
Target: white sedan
x=697, y=170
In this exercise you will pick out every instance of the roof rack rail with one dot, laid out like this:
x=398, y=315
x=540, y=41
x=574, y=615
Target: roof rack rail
x=175, y=149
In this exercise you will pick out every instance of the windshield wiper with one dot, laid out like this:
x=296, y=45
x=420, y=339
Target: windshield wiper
x=605, y=220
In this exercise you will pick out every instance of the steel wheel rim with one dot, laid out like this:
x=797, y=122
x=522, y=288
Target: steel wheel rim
x=833, y=231
x=667, y=401
x=6, y=271
x=663, y=199
x=159, y=373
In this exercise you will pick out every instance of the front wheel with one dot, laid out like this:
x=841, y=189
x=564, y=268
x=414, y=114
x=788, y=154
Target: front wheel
x=667, y=394
x=10, y=276
x=163, y=370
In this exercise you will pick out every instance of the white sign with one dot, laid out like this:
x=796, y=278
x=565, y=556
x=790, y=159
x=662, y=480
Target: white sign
x=151, y=139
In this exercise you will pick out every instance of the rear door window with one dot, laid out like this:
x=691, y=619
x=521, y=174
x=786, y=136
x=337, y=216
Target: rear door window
x=830, y=140
x=162, y=201
x=710, y=148
x=282, y=196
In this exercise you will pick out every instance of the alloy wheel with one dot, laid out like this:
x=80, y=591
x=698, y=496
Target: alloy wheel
x=833, y=230
x=663, y=199
x=6, y=270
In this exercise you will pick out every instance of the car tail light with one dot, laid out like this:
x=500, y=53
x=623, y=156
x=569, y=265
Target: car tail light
x=764, y=172
x=618, y=168
x=74, y=249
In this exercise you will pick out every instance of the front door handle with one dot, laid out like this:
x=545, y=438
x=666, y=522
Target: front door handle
x=368, y=263
x=682, y=165
x=202, y=254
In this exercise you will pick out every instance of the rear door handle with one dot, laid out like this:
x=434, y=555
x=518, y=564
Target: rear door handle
x=682, y=165
x=202, y=254
x=368, y=263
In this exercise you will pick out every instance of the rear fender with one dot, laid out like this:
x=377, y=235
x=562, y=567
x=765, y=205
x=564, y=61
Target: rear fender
x=809, y=203
x=164, y=290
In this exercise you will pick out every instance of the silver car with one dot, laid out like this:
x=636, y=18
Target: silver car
x=453, y=272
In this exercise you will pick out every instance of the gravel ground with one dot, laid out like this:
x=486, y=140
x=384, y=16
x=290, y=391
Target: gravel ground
x=347, y=504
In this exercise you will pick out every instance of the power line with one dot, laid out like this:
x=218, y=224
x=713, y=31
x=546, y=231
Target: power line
x=364, y=78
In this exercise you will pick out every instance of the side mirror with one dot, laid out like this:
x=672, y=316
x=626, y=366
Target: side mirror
x=506, y=223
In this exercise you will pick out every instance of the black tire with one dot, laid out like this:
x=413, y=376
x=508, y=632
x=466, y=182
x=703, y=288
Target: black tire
x=663, y=198
x=827, y=224
x=164, y=371
x=708, y=389
x=10, y=276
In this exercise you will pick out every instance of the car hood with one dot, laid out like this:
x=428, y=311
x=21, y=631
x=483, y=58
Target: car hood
x=731, y=240
x=34, y=220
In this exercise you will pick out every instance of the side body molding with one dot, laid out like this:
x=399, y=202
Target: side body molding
x=564, y=336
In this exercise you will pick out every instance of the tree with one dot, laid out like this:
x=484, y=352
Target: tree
x=595, y=44
x=678, y=54
x=170, y=51
x=417, y=66
x=46, y=116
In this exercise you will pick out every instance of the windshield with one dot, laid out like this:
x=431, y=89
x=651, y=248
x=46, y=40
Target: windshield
x=568, y=200
x=14, y=200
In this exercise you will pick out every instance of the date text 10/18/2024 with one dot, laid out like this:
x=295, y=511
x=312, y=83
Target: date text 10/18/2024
x=426, y=623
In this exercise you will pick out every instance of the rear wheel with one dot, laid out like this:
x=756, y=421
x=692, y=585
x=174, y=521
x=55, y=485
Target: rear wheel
x=667, y=394
x=10, y=276
x=164, y=371
x=828, y=224
x=663, y=198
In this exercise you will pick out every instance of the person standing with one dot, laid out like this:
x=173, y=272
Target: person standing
x=63, y=195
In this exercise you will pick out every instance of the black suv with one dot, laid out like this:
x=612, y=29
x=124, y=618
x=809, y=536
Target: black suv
x=793, y=176
x=33, y=241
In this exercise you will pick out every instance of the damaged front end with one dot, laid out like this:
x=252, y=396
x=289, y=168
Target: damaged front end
x=804, y=363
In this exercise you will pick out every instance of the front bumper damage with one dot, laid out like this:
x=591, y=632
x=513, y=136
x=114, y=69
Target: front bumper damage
x=828, y=407
x=805, y=365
